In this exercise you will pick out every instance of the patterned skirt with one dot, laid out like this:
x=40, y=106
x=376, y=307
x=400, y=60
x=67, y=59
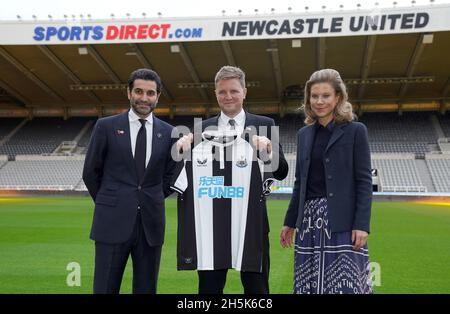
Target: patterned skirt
x=325, y=262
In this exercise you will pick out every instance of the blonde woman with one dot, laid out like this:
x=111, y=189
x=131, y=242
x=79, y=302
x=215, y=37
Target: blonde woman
x=331, y=203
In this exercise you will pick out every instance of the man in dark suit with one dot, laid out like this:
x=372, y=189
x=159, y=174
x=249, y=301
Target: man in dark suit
x=230, y=93
x=127, y=170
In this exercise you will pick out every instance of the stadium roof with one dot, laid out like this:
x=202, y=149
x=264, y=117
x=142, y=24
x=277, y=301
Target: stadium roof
x=401, y=57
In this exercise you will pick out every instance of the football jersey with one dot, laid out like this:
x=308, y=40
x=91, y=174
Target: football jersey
x=222, y=221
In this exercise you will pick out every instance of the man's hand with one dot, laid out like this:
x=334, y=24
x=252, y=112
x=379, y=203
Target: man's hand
x=262, y=143
x=184, y=143
x=287, y=236
x=359, y=239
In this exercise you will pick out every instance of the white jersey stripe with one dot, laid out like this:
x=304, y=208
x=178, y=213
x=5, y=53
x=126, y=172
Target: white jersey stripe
x=242, y=155
x=203, y=209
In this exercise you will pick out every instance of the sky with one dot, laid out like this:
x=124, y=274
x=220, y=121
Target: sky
x=102, y=9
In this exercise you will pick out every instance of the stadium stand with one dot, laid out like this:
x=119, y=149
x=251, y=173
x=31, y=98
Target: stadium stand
x=80, y=186
x=439, y=166
x=398, y=173
x=3, y=161
x=290, y=179
x=411, y=132
x=391, y=127
x=398, y=147
x=400, y=153
x=84, y=141
x=42, y=136
x=445, y=124
x=7, y=125
x=34, y=173
x=289, y=125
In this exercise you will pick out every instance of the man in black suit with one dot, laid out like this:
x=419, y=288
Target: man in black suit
x=230, y=93
x=127, y=171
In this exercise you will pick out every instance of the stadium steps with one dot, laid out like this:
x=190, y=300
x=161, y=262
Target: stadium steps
x=13, y=132
x=445, y=124
x=440, y=171
x=437, y=126
x=80, y=186
x=425, y=175
x=444, y=145
x=83, y=130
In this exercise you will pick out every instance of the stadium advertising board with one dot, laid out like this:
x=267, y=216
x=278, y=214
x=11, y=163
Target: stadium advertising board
x=302, y=25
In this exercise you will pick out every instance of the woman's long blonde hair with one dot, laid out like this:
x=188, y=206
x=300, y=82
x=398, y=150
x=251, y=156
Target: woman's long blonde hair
x=343, y=111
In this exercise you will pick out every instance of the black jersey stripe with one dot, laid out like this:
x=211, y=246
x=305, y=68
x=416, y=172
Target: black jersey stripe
x=222, y=216
x=186, y=244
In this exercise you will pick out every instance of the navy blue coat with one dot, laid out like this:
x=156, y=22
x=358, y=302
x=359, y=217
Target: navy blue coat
x=111, y=179
x=347, y=173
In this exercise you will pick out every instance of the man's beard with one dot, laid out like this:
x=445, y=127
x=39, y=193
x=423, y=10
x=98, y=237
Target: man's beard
x=142, y=110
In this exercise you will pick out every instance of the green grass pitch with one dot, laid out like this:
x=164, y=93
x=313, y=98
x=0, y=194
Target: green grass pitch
x=40, y=236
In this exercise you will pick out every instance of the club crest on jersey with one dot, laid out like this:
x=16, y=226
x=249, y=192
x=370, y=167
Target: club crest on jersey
x=242, y=162
x=267, y=184
x=202, y=162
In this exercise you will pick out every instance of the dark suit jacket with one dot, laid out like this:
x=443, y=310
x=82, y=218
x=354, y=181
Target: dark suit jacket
x=111, y=179
x=347, y=173
x=256, y=121
x=252, y=120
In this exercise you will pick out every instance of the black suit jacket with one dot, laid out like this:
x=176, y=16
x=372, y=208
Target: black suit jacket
x=111, y=179
x=347, y=173
x=255, y=122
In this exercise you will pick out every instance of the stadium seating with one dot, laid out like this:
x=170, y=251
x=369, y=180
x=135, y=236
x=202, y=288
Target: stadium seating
x=290, y=179
x=440, y=173
x=42, y=136
x=399, y=147
x=394, y=144
x=391, y=127
x=3, y=160
x=411, y=132
x=289, y=125
x=445, y=124
x=84, y=140
x=7, y=125
x=398, y=174
x=41, y=174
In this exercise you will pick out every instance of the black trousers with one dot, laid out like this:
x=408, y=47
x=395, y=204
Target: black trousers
x=111, y=260
x=213, y=281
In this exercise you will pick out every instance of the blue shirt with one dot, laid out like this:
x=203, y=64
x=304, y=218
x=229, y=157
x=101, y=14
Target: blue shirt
x=316, y=186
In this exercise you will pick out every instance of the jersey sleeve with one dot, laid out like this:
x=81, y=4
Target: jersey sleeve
x=179, y=181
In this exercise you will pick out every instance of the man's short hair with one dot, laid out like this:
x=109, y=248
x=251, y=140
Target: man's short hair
x=147, y=75
x=230, y=72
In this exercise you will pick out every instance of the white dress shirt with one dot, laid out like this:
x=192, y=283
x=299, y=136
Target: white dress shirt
x=135, y=125
x=239, y=119
x=239, y=125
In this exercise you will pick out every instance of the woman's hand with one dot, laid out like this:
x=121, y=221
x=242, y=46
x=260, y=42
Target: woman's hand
x=359, y=239
x=287, y=236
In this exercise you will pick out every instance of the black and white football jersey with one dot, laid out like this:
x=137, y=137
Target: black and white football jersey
x=221, y=218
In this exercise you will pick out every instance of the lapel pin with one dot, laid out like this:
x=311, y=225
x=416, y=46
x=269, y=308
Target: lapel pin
x=120, y=132
x=159, y=135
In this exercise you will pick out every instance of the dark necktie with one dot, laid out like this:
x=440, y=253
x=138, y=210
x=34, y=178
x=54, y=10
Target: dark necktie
x=232, y=123
x=141, y=150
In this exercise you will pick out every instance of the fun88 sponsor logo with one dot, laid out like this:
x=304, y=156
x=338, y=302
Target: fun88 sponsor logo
x=213, y=187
